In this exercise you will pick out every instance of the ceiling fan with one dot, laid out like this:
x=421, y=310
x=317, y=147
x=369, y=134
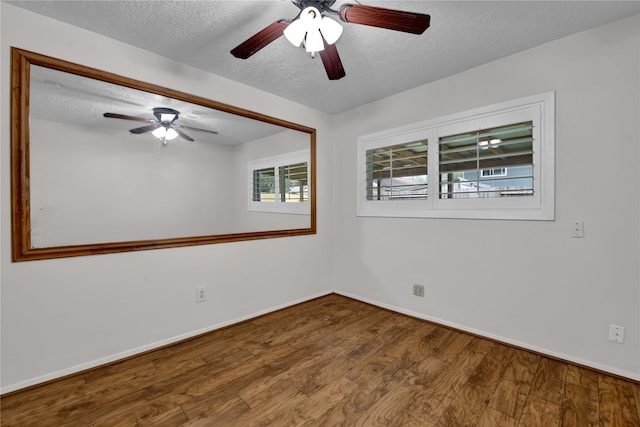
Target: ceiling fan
x=163, y=127
x=318, y=33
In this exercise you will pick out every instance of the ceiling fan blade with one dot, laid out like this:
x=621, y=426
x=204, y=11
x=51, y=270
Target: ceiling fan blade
x=196, y=129
x=122, y=116
x=259, y=40
x=144, y=129
x=332, y=63
x=408, y=22
x=182, y=134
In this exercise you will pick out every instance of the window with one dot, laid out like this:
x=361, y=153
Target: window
x=280, y=184
x=493, y=162
x=397, y=172
x=467, y=162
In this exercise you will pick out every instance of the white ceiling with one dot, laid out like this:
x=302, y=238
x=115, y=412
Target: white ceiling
x=378, y=62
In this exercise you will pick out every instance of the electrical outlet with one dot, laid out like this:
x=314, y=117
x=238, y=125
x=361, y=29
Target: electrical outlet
x=616, y=333
x=201, y=294
x=418, y=290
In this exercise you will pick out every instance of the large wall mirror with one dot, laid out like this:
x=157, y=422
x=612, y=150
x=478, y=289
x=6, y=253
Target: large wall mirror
x=103, y=163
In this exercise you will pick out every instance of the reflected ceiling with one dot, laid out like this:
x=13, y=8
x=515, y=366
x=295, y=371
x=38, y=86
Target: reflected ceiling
x=69, y=98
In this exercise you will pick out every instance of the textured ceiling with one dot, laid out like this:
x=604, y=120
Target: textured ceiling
x=378, y=62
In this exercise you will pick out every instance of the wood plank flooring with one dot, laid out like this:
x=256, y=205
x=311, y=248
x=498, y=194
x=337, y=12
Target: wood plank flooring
x=332, y=361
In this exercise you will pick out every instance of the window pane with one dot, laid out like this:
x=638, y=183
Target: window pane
x=397, y=172
x=496, y=162
x=264, y=185
x=294, y=183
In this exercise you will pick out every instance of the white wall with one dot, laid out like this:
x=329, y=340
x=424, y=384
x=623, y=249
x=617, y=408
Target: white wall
x=61, y=316
x=536, y=287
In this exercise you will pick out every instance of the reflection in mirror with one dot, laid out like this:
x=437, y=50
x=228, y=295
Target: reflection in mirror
x=102, y=163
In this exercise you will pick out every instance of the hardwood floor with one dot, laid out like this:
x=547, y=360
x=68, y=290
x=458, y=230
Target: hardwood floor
x=332, y=361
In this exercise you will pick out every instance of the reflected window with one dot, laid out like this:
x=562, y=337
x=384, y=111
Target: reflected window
x=294, y=181
x=280, y=184
x=264, y=185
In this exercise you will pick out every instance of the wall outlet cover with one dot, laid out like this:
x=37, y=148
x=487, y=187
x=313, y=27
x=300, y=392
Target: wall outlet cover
x=418, y=290
x=616, y=334
x=201, y=294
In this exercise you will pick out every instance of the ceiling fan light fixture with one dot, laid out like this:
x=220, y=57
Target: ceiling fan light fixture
x=310, y=28
x=165, y=134
x=311, y=17
x=313, y=42
x=295, y=32
x=309, y=20
x=171, y=134
x=167, y=118
x=330, y=29
x=160, y=132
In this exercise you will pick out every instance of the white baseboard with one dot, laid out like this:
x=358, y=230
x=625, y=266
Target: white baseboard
x=158, y=344
x=554, y=354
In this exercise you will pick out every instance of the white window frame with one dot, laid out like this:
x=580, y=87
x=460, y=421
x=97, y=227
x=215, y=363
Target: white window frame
x=540, y=206
x=277, y=206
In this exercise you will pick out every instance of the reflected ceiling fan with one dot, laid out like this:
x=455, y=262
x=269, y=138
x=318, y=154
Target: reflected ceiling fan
x=163, y=126
x=318, y=33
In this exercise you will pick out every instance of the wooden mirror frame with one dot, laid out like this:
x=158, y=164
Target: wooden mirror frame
x=21, y=62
